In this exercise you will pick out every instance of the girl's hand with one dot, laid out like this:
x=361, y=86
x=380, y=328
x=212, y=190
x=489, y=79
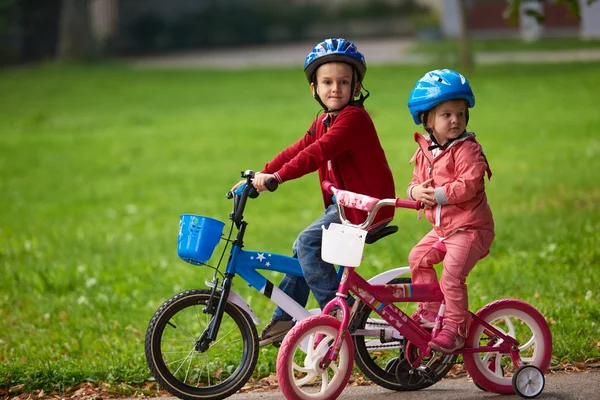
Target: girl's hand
x=424, y=192
x=260, y=181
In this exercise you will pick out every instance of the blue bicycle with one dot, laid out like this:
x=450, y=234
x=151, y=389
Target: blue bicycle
x=203, y=343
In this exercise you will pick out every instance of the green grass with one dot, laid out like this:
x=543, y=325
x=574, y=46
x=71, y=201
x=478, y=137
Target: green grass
x=449, y=46
x=97, y=164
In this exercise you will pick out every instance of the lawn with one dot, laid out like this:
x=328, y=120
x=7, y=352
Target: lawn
x=97, y=164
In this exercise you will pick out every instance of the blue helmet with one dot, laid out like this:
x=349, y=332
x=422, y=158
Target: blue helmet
x=335, y=49
x=436, y=87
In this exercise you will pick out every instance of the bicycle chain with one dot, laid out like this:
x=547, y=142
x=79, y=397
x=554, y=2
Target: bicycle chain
x=395, y=341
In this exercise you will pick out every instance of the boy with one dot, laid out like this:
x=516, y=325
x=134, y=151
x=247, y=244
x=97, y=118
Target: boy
x=344, y=148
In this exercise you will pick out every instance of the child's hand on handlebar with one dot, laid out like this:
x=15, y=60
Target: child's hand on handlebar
x=260, y=181
x=237, y=185
x=424, y=192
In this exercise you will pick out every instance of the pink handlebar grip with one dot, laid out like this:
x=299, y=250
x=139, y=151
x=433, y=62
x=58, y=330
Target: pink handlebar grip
x=326, y=185
x=416, y=205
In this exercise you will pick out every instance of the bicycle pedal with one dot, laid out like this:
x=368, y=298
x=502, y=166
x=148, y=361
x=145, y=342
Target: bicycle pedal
x=277, y=344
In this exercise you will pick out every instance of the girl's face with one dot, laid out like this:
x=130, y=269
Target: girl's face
x=333, y=85
x=448, y=120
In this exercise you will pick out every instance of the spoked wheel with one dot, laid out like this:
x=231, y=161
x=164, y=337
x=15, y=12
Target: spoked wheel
x=528, y=381
x=379, y=348
x=492, y=371
x=299, y=371
x=177, y=358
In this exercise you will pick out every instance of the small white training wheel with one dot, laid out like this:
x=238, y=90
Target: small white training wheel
x=528, y=381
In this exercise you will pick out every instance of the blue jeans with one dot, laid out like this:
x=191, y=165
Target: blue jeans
x=320, y=277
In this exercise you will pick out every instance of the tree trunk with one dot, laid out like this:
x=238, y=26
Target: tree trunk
x=75, y=37
x=466, y=61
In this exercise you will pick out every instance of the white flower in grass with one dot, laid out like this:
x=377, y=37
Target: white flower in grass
x=89, y=282
x=588, y=295
x=82, y=300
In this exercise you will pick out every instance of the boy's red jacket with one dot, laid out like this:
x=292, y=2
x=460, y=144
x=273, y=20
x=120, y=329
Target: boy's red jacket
x=348, y=153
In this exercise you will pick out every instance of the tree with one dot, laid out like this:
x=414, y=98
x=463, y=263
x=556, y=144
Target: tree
x=75, y=32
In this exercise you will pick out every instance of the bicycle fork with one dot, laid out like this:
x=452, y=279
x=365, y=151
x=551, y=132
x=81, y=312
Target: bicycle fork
x=211, y=331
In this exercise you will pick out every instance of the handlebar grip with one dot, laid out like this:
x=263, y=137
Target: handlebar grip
x=326, y=185
x=253, y=193
x=272, y=184
x=416, y=205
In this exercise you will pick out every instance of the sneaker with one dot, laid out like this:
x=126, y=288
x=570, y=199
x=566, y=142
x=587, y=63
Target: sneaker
x=425, y=318
x=274, y=332
x=447, y=341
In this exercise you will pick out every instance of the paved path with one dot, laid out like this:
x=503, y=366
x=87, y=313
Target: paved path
x=559, y=386
x=377, y=51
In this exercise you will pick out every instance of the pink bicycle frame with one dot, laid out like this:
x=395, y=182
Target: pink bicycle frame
x=380, y=298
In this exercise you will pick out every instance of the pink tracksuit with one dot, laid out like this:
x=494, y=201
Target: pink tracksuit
x=462, y=221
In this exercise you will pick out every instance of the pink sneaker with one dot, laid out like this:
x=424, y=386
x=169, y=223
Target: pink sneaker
x=447, y=340
x=425, y=318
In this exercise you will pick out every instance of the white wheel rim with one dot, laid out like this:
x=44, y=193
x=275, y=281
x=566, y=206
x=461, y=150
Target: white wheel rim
x=530, y=382
x=311, y=381
x=490, y=364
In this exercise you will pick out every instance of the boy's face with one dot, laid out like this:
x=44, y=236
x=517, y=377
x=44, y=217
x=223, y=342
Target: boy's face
x=448, y=119
x=333, y=85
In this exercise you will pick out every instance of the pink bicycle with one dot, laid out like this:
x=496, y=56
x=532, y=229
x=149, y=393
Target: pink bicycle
x=507, y=351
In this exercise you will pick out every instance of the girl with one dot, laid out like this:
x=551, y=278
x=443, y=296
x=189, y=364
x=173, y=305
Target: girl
x=448, y=178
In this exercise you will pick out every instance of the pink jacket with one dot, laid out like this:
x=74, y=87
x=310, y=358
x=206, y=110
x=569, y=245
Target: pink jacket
x=458, y=178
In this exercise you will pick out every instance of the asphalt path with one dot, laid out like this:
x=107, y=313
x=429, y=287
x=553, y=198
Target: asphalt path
x=559, y=386
x=376, y=51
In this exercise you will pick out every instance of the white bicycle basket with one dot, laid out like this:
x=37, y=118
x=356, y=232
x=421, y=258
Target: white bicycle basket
x=343, y=245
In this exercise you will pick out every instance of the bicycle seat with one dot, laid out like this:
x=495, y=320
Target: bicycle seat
x=372, y=237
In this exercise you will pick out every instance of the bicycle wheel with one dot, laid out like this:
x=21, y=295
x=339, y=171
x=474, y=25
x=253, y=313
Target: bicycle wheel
x=378, y=352
x=492, y=371
x=299, y=374
x=186, y=371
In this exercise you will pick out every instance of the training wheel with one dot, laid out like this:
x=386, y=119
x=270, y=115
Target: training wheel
x=528, y=381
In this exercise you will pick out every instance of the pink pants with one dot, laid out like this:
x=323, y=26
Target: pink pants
x=463, y=250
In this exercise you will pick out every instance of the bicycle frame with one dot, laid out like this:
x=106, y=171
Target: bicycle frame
x=247, y=263
x=381, y=299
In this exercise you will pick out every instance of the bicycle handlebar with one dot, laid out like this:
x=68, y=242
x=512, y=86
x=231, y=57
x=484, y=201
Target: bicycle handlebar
x=417, y=205
x=245, y=191
x=346, y=198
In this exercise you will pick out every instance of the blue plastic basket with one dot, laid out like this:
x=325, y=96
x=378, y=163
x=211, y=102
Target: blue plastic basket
x=198, y=237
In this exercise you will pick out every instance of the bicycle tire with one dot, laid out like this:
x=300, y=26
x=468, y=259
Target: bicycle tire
x=185, y=372
x=380, y=368
x=521, y=321
x=296, y=381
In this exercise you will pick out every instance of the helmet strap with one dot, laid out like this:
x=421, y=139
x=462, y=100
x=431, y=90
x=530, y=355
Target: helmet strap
x=436, y=144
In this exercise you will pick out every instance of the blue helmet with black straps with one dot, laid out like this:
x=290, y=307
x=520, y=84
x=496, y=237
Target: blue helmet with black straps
x=436, y=87
x=335, y=49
